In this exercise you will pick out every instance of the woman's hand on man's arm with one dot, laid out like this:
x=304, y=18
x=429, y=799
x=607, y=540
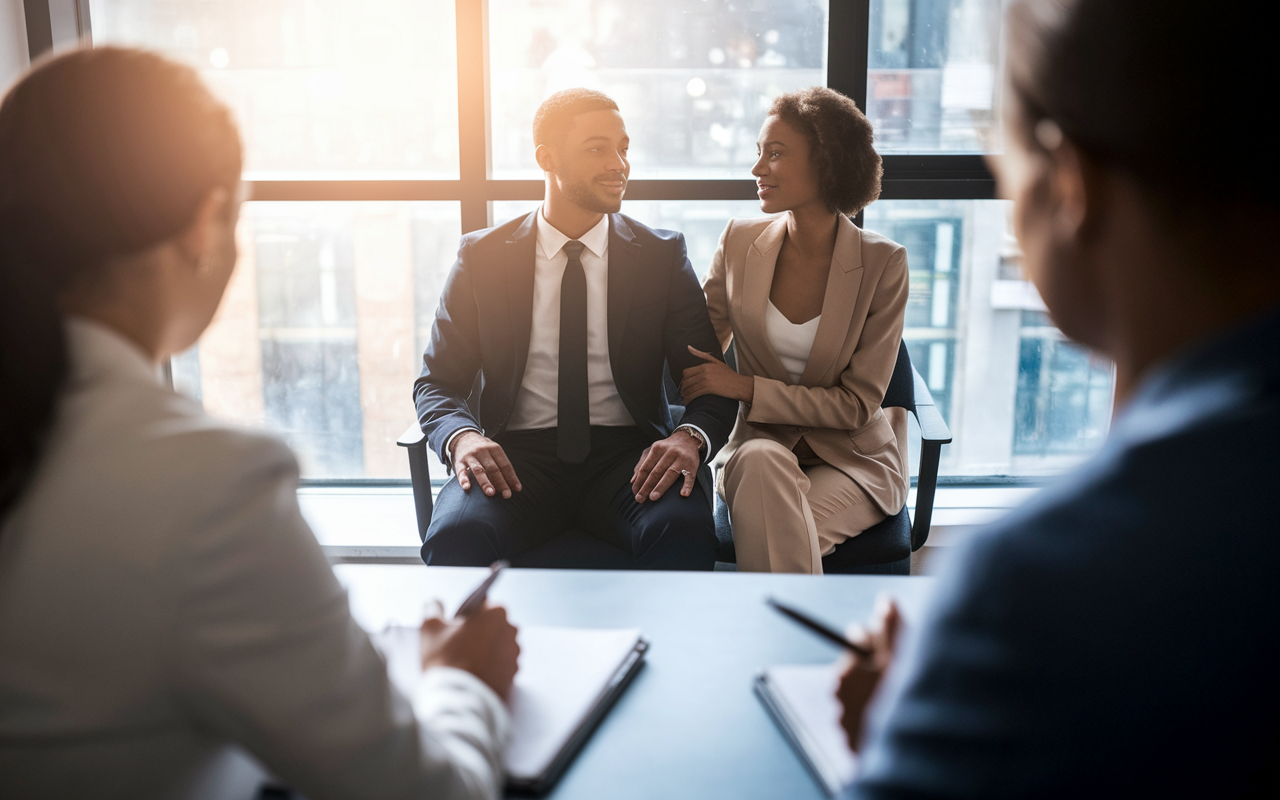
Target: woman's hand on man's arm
x=715, y=377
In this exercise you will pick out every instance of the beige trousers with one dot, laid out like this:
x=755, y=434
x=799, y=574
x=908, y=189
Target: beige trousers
x=786, y=515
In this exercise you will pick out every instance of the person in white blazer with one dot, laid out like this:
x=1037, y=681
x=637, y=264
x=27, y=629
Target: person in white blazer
x=164, y=608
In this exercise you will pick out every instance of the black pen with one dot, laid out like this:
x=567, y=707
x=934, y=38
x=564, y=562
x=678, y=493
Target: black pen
x=817, y=627
x=476, y=599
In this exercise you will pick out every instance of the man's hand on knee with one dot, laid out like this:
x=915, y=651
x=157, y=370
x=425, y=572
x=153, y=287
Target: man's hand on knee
x=663, y=463
x=480, y=459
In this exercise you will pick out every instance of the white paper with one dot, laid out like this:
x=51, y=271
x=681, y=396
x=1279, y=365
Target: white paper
x=807, y=696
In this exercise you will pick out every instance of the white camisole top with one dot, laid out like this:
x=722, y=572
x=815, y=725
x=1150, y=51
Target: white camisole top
x=790, y=341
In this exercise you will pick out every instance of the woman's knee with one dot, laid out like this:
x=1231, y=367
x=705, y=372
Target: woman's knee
x=762, y=459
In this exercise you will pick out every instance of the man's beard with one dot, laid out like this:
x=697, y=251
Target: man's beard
x=582, y=196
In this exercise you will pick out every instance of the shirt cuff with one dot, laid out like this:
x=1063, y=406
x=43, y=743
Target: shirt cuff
x=448, y=443
x=704, y=436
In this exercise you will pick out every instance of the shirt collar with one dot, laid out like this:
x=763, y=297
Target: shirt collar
x=551, y=240
x=95, y=349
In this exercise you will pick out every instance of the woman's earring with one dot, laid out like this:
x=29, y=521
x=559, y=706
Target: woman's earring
x=1048, y=134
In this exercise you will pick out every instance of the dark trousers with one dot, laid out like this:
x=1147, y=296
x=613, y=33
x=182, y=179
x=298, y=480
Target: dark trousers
x=595, y=498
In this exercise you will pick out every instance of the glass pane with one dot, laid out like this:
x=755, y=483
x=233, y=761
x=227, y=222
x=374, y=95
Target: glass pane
x=693, y=79
x=320, y=335
x=1019, y=399
x=322, y=86
x=701, y=221
x=933, y=76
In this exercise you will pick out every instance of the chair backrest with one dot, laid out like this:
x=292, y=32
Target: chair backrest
x=901, y=392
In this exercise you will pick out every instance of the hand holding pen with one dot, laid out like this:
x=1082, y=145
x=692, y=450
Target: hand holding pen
x=478, y=639
x=864, y=670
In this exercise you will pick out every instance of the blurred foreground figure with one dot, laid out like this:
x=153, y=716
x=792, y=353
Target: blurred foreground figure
x=1118, y=636
x=164, y=608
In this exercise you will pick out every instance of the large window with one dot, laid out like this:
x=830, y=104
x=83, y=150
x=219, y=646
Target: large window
x=378, y=131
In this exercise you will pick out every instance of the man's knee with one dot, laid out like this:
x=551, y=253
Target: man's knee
x=460, y=534
x=676, y=533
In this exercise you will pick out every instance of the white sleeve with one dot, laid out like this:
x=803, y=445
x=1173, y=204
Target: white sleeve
x=265, y=653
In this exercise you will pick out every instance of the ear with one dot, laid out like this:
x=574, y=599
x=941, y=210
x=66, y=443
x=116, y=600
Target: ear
x=546, y=160
x=1079, y=191
x=201, y=234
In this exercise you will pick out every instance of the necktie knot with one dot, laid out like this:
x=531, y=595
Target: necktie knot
x=574, y=249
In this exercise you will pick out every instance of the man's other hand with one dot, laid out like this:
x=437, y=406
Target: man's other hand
x=483, y=644
x=663, y=463
x=480, y=459
x=862, y=675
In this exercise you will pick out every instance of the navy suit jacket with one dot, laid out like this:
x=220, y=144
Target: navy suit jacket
x=474, y=363
x=1120, y=635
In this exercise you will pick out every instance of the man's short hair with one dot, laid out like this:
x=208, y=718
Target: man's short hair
x=555, y=116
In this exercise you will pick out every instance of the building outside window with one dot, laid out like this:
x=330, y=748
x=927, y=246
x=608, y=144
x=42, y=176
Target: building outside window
x=367, y=168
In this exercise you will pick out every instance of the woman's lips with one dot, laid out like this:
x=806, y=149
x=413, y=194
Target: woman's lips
x=763, y=189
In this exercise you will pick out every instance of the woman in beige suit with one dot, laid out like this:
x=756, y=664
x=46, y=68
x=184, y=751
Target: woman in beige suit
x=813, y=306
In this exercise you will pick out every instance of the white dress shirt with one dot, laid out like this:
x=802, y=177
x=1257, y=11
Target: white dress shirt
x=164, y=606
x=537, y=402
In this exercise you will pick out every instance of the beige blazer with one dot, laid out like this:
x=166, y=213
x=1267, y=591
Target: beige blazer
x=836, y=405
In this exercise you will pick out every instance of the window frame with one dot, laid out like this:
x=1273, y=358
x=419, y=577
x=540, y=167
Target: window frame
x=55, y=24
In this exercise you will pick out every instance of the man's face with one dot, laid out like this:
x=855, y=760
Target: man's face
x=589, y=165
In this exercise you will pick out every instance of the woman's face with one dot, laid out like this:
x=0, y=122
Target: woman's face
x=217, y=264
x=785, y=177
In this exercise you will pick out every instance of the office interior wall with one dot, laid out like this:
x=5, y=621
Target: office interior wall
x=13, y=41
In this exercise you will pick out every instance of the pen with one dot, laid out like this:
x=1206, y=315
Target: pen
x=476, y=599
x=817, y=627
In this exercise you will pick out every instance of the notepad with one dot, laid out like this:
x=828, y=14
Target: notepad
x=802, y=700
x=568, y=680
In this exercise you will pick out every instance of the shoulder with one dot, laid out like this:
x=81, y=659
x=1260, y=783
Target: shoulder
x=740, y=233
x=494, y=236
x=169, y=444
x=641, y=234
x=878, y=248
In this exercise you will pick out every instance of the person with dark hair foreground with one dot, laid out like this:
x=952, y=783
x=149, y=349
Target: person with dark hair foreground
x=163, y=605
x=568, y=316
x=1118, y=636
x=814, y=308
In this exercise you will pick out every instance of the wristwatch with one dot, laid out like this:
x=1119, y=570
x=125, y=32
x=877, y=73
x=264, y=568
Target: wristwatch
x=696, y=434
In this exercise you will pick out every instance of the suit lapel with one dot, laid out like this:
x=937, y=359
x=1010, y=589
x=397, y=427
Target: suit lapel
x=757, y=281
x=624, y=264
x=844, y=281
x=519, y=267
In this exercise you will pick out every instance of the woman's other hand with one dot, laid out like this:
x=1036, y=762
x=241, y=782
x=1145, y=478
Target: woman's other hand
x=862, y=674
x=715, y=377
x=483, y=644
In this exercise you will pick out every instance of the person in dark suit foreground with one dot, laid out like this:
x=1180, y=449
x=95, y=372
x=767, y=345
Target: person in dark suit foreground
x=1119, y=635
x=542, y=385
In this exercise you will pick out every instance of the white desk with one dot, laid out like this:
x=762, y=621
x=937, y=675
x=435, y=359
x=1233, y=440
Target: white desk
x=689, y=726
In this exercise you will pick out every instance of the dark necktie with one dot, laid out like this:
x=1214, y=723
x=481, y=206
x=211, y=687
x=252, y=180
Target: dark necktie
x=573, y=415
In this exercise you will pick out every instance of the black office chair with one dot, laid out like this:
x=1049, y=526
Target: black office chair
x=884, y=548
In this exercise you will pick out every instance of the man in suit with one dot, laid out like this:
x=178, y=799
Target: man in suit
x=542, y=384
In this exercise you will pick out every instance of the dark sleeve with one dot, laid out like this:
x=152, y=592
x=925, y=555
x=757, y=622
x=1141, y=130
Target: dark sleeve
x=451, y=361
x=688, y=323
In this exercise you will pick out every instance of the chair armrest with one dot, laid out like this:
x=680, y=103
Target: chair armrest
x=412, y=436
x=415, y=443
x=934, y=433
x=933, y=428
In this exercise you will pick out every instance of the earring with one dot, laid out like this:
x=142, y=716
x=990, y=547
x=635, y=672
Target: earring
x=1048, y=134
